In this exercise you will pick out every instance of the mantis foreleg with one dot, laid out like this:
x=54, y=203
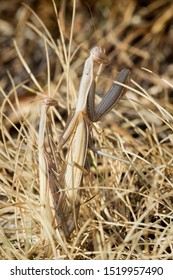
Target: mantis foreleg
x=109, y=100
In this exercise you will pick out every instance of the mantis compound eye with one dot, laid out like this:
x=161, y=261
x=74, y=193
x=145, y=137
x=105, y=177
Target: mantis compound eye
x=99, y=55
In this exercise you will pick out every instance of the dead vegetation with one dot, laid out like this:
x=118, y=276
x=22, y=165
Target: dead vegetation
x=126, y=211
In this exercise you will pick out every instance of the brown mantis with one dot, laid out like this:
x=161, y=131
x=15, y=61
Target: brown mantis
x=65, y=184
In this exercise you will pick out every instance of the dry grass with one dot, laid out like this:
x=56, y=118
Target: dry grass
x=126, y=211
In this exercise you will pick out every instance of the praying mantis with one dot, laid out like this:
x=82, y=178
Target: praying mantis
x=63, y=181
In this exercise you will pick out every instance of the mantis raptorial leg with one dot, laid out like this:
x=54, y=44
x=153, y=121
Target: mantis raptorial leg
x=77, y=131
x=109, y=100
